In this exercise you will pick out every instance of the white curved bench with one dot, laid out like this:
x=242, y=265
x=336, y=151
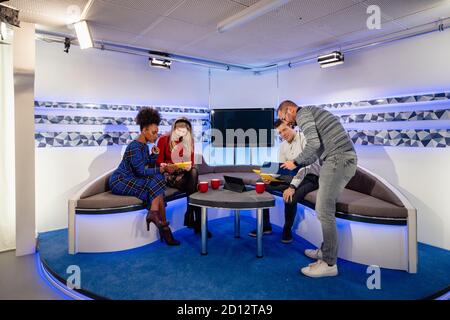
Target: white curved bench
x=372, y=240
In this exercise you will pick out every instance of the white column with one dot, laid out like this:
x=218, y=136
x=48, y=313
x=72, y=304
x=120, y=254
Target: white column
x=7, y=164
x=24, y=66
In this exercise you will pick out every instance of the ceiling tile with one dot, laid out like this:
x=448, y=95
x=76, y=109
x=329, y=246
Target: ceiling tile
x=188, y=27
x=177, y=31
x=157, y=7
x=49, y=12
x=345, y=21
x=426, y=16
x=102, y=33
x=120, y=18
x=206, y=12
x=298, y=12
x=400, y=8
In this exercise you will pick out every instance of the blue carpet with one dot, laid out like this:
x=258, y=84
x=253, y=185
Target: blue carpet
x=232, y=271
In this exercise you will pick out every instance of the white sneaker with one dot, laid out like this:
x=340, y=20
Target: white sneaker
x=314, y=254
x=320, y=269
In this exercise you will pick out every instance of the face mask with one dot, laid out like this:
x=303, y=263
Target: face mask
x=181, y=132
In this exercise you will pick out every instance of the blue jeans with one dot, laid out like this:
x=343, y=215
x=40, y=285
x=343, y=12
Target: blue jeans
x=308, y=184
x=336, y=172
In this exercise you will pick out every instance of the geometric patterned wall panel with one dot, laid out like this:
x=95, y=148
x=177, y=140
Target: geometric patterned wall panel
x=79, y=120
x=87, y=139
x=62, y=124
x=432, y=134
x=83, y=139
x=397, y=116
x=390, y=101
x=430, y=138
x=114, y=107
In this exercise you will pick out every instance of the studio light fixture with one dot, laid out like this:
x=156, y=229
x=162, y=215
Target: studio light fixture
x=258, y=9
x=331, y=59
x=160, y=63
x=84, y=35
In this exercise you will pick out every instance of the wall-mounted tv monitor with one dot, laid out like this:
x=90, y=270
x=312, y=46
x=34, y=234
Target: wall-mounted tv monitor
x=252, y=127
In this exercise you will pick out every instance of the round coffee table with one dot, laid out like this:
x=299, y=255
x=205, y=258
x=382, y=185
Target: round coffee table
x=226, y=199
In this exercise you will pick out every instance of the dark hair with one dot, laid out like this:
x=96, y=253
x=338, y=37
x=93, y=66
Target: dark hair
x=183, y=120
x=278, y=123
x=148, y=116
x=285, y=104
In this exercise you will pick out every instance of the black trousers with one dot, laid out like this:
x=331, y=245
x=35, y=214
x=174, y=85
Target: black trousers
x=188, y=184
x=308, y=184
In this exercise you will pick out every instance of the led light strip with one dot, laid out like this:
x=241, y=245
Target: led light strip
x=55, y=283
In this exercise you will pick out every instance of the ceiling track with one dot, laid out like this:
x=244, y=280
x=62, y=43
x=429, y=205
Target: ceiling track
x=435, y=26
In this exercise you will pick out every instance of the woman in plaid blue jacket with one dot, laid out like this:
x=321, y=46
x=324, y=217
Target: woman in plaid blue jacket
x=138, y=175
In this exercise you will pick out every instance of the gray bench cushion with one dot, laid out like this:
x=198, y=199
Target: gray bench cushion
x=110, y=200
x=366, y=183
x=354, y=202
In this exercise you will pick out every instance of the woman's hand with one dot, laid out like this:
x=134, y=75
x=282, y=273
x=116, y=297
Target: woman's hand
x=290, y=165
x=287, y=194
x=162, y=167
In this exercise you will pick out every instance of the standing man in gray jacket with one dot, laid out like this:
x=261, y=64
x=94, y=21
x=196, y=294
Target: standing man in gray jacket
x=326, y=139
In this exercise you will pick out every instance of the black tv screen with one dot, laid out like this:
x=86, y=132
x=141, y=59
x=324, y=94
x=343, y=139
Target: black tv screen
x=254, y=127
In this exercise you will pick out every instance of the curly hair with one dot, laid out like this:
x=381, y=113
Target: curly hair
x=148, y=116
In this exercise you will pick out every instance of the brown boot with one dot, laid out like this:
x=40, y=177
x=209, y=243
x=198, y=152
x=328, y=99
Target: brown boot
x=167, y=235
x=155, y=217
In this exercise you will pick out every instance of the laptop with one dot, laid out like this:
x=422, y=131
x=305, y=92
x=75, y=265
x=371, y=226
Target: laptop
x=275, y=168
x=234, y=184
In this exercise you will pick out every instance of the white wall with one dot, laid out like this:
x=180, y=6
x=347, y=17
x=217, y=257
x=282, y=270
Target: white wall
x=98, y=77
x=416, y=65
x=236, y=89
x=107, y=77
x=7, y=149
x=24, y=68
x=422, y=175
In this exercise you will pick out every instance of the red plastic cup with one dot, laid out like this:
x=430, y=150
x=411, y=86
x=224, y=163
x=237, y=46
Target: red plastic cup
x=203, y=186
x=215, y=183
x=260, y=187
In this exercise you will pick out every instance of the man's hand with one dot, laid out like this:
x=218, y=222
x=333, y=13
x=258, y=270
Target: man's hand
x=290, y=165
x=287, y=194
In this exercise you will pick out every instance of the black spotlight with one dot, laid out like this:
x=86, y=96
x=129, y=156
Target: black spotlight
x=66, y=45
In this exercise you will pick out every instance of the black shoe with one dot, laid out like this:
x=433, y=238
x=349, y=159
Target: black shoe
x=189, y=219
x=266, y=231
x=198, y=230
x=287, y=236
